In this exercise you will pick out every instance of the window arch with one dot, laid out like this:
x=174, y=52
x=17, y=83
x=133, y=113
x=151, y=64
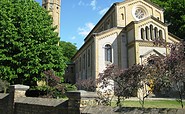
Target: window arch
x=122, y=16
x=108, y=53
x=142, y=34
x=156, y=33
x=147, y=32
x=160, y=34
x=80, y=63
x=151, y=32
x=89, y=61
x=108, y=24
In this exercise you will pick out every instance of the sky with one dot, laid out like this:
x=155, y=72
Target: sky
x=78, y=17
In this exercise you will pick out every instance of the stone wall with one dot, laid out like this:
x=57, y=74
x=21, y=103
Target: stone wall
x=129, y=110
x=3, y=103
x=17, y=103
x=79, y=102
x=40, y=106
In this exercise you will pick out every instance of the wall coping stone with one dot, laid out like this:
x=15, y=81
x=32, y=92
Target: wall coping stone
x=84, y=94
x=2, y=95
x=39, y=101
x=20, y=87
x=129, y=110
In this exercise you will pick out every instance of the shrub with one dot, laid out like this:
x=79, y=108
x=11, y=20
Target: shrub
x=86, y=84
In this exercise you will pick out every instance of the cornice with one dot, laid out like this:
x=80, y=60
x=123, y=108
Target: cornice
x=174, y=36
x=148, y=1
x=144, y=43
x=105, y=36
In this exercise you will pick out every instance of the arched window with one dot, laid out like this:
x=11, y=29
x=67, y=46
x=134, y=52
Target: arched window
x=147, y=32
x=108, y=53
x=51, y=7
x=89, y=58
x=156, y=33
x=151, y=32
x=80, y=64
x=160, y=34
x=83, y=61
x=44, y=1
x=142, y=34
x=122, y=16
x=108, y=24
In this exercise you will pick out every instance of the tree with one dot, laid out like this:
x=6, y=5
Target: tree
x=68, y=50
x=154, y=70
x=169, y=71
x=174, y=13
x=157, y=74
x=28, y=43
x=125, y=84
x=175, y=62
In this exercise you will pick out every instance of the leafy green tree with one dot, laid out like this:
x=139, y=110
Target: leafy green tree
x=68, y=49
x=174, y=13
x=28, y=43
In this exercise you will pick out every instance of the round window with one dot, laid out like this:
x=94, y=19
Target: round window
x=139, y=13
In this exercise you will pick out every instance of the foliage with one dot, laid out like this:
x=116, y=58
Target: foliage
x=174, y=13
x=28, y=43
x=53, y=88
x=4, y=85
x=86, y=84
x=68, y=50
x=125, y=81
x=70, y=87
x=57, y=91
x=154, y=73
x=169, y=71
x=158, y=73
x=176, y=68
x=51, y=78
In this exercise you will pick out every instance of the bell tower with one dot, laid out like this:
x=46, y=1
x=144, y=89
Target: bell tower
x=54, y=7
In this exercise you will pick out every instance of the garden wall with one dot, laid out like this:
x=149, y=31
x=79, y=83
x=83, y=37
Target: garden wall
x=3, y=103
x=40, y=106
x=129, y=110
x=17, y=103
x=79, y=102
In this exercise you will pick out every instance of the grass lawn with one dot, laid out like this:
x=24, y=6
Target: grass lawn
x=153, y=104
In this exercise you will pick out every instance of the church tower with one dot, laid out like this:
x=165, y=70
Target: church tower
x=54, y=7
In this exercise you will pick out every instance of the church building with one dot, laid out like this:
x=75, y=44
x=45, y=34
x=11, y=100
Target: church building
x=124, y=36
x=53, y=6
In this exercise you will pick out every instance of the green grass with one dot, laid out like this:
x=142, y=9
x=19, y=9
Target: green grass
x=152, y=104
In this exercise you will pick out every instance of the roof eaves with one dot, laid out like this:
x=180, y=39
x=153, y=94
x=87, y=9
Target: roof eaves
x=100, y=20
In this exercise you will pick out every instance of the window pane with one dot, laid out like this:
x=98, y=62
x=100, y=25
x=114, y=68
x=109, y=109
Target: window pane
x=108, y=53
